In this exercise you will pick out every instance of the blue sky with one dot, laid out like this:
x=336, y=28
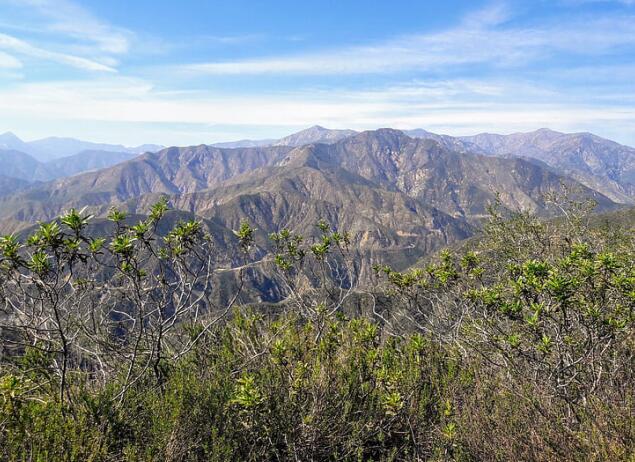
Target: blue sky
x=192, y=72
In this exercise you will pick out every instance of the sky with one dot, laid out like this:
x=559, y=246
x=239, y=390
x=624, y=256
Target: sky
x=203, y=71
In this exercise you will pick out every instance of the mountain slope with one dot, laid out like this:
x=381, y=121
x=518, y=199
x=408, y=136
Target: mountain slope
x=22, y=166
x=51, y=148
x=458, y=184
x=171, y=171
x=315, y=134
x=449, y=142
x=601, y=164
x=86, y=161
x=10, y=185
x=386, y=226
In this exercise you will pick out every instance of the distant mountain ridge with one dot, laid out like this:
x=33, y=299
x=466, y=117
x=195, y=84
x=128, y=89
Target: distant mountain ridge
x=314, y=134
x=245, y=143
x=459, y=184
x=450, y=142
x=598, y=163
x=401, y=197
x=51, y=158
x=10, y=142
x=22, y=166
x=50, y=148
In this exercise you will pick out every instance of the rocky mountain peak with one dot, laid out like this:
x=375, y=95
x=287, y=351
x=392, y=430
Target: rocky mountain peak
x=315, y=134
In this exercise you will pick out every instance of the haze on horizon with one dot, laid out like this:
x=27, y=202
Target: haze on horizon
x=201, y=72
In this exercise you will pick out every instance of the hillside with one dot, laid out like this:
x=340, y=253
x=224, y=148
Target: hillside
x=85, y=161
x=22, y=166
x=598, y=163
x=459, y=184
x=54, y=147
x=11, y=185
x=315, y=134
x=235, y=339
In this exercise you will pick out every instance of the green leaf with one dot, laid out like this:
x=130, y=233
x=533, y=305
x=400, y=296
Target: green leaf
x=40, y=263
x=116, y=215
x=74, y=220
x=245, y=235
x=157, y=211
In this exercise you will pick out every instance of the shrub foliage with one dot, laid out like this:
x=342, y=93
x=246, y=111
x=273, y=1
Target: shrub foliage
x=517, y=346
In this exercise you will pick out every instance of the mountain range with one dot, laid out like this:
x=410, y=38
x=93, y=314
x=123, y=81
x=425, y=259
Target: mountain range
x=314, y=134
x=51, y=158
x=50, y=148
x=598, y=163
x=401, y=194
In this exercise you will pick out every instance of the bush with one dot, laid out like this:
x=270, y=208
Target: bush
x=518, y=347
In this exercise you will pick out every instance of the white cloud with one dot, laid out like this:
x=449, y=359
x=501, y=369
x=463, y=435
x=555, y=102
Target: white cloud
x=62, y=31
x=70, y=19
x=9, y=62
x=21, y=47
x=560, y=97
x=228, y=39
x=483, y=37
x=455, y=107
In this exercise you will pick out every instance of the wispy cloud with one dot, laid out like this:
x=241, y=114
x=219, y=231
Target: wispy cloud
x=483, y=37
x=9, y=62
x=63, y=32
x=72, y=20
x=495, y=70
x=455, y=107
x=229, y=39
x=21, y=47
